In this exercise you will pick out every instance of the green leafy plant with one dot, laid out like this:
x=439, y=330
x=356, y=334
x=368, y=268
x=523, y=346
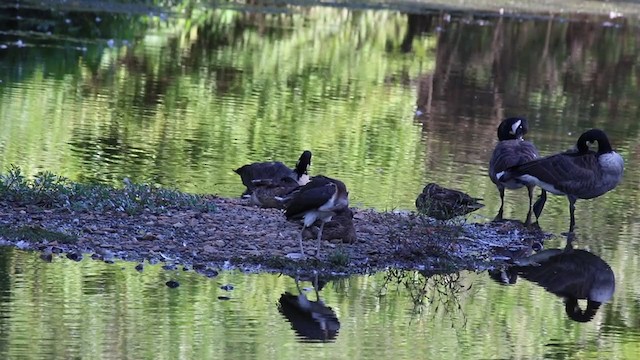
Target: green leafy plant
x=53, y=191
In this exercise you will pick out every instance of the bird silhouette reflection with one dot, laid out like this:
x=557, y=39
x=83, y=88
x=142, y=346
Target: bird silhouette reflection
x=572, y=274
x=311, y=320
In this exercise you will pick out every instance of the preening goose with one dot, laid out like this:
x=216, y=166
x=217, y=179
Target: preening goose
x=443, y=204
x=510, y=151
x=274, y=170
x=320, y=199
x=578, y=174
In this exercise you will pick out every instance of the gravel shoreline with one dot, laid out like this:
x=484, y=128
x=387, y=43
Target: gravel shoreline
x=241, y=235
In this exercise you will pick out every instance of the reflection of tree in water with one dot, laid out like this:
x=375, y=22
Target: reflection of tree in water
x=435, y=292
x=492, y=67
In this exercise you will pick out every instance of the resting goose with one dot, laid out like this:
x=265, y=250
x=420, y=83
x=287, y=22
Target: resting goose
x=443, y=204
x=274, y=170
x=320, y=199
x=510, y=151
x=268, y=193
x=578, y=174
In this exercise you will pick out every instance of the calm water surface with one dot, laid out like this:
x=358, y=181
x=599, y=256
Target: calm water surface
x=386, y=100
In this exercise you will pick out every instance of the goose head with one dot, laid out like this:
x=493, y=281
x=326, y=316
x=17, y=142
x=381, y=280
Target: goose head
x=513, y=128
x=302, y=167
x=591, y=136
x=575, y=313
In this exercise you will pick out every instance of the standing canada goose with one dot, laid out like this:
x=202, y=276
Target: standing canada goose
x=274, y=170
x=443, y=204
x=320, y=199
x=510, y=151
x=578, y=174
x=572, y=274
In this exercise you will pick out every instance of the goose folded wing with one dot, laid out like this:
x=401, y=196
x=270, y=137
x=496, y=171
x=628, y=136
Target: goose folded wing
x=309, y=199
x=566, y=172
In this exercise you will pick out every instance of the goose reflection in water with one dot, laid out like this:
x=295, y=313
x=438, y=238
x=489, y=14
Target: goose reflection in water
x=572, y=274
x=311, y=320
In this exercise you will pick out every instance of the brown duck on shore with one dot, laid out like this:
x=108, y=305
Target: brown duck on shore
x=274, y=170
x=340, y=228
x=443, y=204
x=268, y=193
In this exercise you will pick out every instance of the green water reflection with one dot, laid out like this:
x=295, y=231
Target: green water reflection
x=181, y=98
x=96, y=310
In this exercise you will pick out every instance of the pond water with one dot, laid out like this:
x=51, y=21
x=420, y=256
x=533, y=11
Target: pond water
x=386, y=100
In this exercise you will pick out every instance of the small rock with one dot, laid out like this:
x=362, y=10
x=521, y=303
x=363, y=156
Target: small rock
x=227, y=287
x=139, y=267
x=169, y=267
x=47, y=255
x=75, y=256
x=209, y=249
x=178, y=225
x=199, y=266
x=224, y=298
x=148, y=237
x=172, y=284
x=220, y=243
x=208, y=272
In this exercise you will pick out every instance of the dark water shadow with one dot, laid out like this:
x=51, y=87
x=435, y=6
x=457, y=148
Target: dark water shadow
x=312, y=320
x=572, y=274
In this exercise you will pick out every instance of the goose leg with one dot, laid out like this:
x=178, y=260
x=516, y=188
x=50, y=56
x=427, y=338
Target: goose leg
x=539, y=205
x=499, y=216
x=319, y=238
x=301, y=248
x=572, y=208
x=530, y=191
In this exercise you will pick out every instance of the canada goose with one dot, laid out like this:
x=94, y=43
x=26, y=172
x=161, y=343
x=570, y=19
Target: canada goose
x=320, y=199
x=510, y=151
x=572, y=274
x=268, y=193
x=578, y=173
x=274, y=170
x=312, y=320
x=443, y=204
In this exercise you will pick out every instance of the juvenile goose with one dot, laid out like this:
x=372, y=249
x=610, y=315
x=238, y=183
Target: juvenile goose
x=274, y=170
x=320, y=199
x=578, y=174
x=443, y=204
x=510, y=151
